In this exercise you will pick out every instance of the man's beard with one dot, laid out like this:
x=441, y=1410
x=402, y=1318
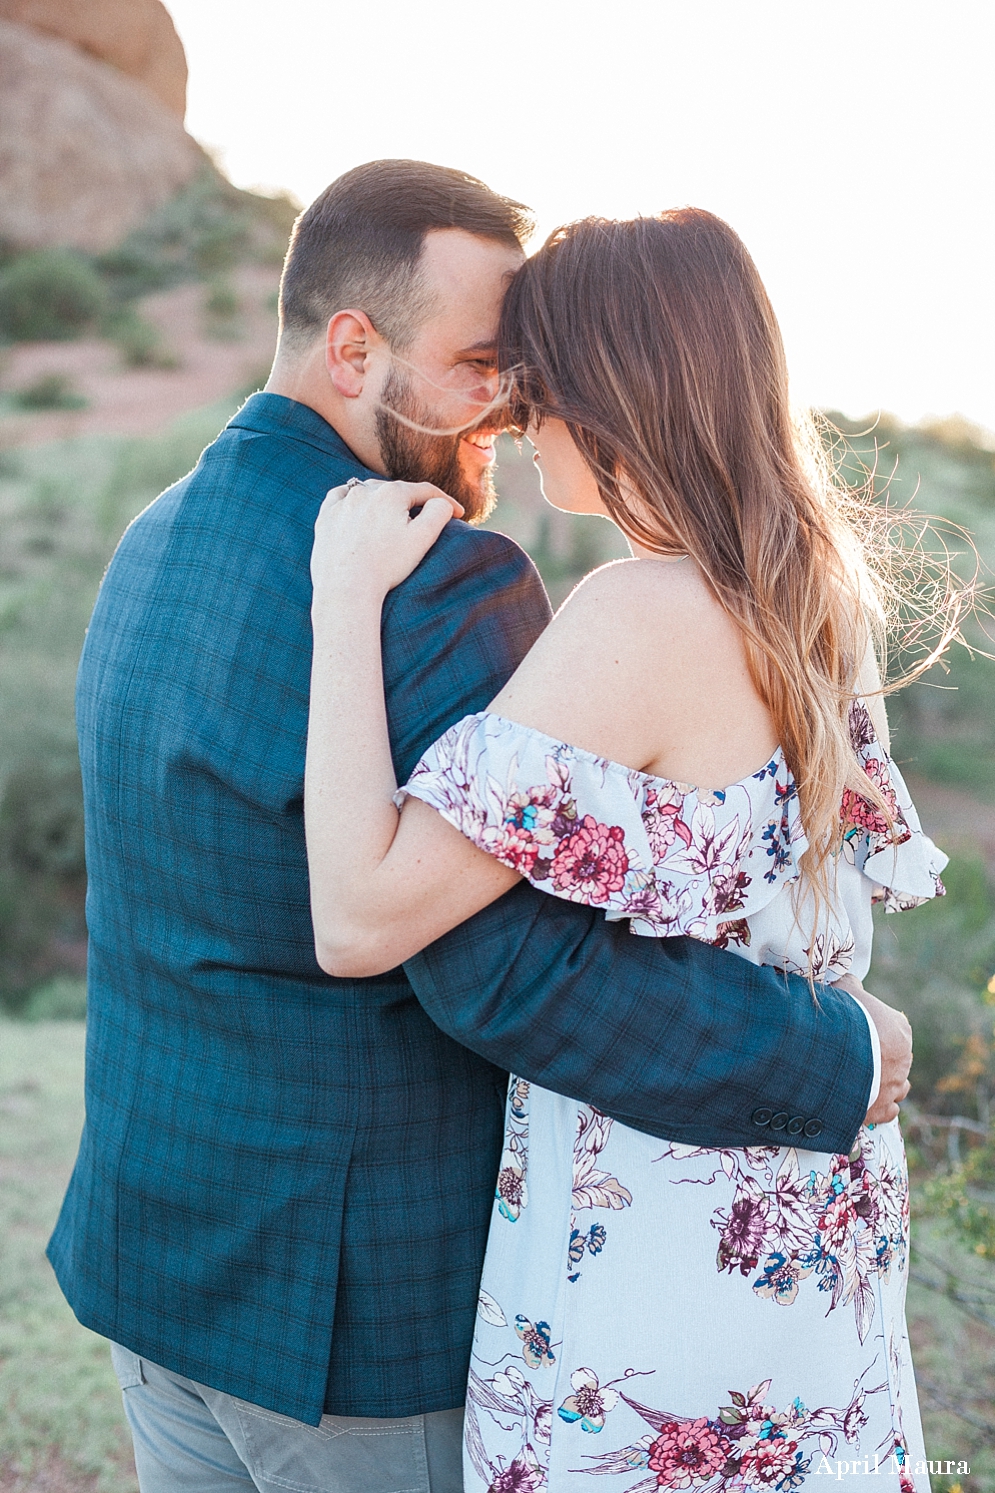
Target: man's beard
x=416, y=456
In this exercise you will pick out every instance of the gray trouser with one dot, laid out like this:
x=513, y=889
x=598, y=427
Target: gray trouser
x=191, y=1439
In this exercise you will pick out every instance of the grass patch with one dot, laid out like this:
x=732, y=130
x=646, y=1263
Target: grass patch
x=953, y=1349
x=933, y=964
x=62, y=1405
x=62, y=510
x=61, y=999
x=63, y=1427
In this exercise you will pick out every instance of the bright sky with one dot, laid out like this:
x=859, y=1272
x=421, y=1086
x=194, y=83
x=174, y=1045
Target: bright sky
x=851, y=144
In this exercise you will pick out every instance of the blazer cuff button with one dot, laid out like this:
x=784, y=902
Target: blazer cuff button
x=813, y=1128
x=761, y=1116
x=796, y=1125
x=779, y=1120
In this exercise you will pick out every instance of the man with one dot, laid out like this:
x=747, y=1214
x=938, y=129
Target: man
x=280, y=1205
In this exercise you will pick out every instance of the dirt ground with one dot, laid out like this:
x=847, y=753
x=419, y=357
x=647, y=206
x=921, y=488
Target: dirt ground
x=215, y=357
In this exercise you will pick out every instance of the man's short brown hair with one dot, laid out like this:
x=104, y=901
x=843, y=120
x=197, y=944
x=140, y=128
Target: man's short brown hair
x=359, y=244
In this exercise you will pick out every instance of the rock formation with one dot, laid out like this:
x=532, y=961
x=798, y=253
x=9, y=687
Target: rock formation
x=136, y=36
x=86, y=151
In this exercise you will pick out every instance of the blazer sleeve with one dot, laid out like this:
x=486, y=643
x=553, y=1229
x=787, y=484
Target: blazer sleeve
x=671, y=1036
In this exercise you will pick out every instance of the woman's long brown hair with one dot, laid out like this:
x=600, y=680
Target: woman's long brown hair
x=655, y=341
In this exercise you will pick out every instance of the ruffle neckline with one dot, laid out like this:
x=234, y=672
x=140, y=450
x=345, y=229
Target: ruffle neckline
x=673, y=858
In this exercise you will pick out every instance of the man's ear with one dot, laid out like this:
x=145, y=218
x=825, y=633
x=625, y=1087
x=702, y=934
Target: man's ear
x=349, y=341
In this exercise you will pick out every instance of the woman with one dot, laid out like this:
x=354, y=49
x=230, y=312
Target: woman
x=666, y=1315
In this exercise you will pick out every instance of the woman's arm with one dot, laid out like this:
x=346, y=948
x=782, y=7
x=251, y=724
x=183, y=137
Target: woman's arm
x=383, y=884
x=617, y=672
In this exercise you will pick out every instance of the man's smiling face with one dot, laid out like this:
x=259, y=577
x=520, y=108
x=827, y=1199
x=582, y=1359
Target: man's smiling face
x=446, y=378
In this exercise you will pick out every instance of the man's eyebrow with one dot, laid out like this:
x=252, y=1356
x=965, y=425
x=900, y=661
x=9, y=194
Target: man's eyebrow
x=478, y=347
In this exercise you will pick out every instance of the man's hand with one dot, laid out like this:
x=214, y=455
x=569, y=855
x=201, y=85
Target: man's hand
x=896, y=1052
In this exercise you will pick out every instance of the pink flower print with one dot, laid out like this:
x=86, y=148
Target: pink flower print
x=533, y=810
x=662, y=820
x=591, y=862
x=524, y=830
x=515, y=847
x=519, y=1477
x=863, y=1191
x=837, y=1223
x=861, y=817
x=767, y=1461
x=743, y=1231
x=688, y=1452
x=589, y=1403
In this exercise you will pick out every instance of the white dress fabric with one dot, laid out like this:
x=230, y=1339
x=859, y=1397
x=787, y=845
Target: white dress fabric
x=666, y=1315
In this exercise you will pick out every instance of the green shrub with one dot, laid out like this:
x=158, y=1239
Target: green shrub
x=221, y=311
x=62, y=516
x=52, y=391
x=8, y=252
x=42, y=874
x=207, y=228
x=49, y=295
x=932, y=963
x=222, y=299
x=139, y=341
x=221, y=246
x=41, y=820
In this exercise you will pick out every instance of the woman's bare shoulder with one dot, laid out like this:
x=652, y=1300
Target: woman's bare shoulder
x=623, y=649
x=634, y=603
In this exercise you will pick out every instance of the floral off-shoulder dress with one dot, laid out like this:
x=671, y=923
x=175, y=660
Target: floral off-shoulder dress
x=664, y=1315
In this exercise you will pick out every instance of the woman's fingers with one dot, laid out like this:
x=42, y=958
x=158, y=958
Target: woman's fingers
x=426, y=526
x=424, y=493
x=403, y=495
x=361, y=497
x=378, y=530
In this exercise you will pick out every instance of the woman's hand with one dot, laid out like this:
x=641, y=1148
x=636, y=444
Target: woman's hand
x=374, y=903
x=365, y=533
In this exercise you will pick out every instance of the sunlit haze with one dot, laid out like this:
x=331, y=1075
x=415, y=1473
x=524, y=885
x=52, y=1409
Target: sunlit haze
x=851, y=145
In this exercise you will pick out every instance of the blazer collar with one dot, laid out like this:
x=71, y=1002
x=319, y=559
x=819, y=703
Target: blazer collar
x=273, y=414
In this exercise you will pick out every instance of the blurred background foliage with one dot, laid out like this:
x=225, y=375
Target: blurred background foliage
x=202, y=232
x=63, y=506
x=937, y=963
x=205, y=232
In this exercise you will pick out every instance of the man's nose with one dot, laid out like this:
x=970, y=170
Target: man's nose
x=490, y=388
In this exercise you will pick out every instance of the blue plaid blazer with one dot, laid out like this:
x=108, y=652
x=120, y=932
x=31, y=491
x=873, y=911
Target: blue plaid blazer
x=284, y=1182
